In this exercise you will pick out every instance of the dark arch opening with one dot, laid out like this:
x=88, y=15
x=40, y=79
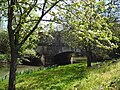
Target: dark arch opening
x=63, y=58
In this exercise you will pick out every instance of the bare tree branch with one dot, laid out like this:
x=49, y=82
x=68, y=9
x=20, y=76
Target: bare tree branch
x=47, y=20
x=18, y=26
x=31, y=7
x=45, y=1
x=40, y=19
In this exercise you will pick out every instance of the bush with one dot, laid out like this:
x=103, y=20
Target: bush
x=4, y=57
x=29, y=52
x=4, y=42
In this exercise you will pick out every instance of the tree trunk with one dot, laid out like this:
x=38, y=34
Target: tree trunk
x=89, y=59
x=14, y=50
x=12, y=74
x=89, y=55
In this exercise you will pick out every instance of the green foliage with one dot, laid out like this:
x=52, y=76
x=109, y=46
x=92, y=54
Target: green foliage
x=116, y=39
x=113, y=10
x=29, y=52
x=90, y=27
x=27, y=22
x=4, y=42
x=3, y=8
x=29, y=47
x=4, y=57
x=86, y=27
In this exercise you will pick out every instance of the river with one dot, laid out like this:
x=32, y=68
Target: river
x=4, y=69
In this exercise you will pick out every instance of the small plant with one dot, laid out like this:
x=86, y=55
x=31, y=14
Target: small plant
x=4, y=57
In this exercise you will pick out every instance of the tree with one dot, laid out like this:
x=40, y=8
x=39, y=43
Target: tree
x=116, y=31
x=113, y=10
x=3, y=14
x=4, y=42
x=22, y=22
x=86, y=26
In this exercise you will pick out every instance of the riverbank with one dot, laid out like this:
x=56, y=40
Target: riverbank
x=4, y=69
x=71, y=77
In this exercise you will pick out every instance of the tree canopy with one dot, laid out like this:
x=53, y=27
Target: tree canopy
x=85, y=25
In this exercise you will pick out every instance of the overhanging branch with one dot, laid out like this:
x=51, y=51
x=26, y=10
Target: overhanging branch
x=45, y=1
x=34, y=28
x=19, y=25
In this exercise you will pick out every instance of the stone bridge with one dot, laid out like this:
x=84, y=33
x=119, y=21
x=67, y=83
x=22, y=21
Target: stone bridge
x=54, y=50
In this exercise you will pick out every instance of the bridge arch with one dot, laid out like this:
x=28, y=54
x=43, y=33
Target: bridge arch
x=63, y=58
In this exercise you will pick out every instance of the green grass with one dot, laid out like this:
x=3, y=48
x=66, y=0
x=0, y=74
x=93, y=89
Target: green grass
x=70, y=77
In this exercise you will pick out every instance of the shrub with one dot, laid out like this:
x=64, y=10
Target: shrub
x=4, y=57
x=4, y=42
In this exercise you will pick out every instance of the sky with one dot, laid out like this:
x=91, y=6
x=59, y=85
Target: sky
x=4, y=26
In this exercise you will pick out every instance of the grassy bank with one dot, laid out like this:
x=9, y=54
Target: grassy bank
x=104, y=76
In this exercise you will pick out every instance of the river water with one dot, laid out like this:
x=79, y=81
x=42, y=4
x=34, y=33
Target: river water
x=4, y=69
